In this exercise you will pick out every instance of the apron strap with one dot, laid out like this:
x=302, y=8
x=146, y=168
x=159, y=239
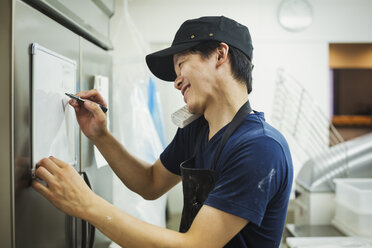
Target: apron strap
x=238, y=119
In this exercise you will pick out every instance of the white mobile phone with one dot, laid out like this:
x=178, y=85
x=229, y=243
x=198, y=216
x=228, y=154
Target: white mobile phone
x=182, y=117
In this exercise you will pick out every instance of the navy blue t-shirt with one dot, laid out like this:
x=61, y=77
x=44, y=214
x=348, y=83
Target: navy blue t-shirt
x=253, y=175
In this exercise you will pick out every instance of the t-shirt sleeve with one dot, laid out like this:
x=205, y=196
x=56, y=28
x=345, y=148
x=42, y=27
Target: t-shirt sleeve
x=249, y=179
x=175, y=153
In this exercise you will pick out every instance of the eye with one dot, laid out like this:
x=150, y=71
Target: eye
x=179, y=64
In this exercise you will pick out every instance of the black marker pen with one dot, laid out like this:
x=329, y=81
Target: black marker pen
x=81, y=100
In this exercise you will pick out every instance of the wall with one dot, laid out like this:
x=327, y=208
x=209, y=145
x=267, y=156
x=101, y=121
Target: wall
x=304, y=54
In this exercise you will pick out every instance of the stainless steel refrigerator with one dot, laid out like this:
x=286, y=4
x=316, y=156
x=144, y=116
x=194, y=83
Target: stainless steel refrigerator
x=77, y=30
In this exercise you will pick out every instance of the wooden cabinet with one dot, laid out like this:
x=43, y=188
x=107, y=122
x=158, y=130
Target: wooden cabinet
x=351, y=75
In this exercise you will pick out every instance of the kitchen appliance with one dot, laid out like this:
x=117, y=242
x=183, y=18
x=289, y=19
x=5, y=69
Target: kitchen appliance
x=315, y=204
x=77, y=30
x=353, y=212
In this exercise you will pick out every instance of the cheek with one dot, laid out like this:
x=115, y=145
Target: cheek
x=196, y=72
x=199, y=76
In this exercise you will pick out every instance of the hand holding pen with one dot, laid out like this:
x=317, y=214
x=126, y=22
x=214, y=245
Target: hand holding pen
x=90, y=113
x=81, y=100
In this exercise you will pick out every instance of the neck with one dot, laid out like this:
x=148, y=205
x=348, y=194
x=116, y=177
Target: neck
x=223, y=109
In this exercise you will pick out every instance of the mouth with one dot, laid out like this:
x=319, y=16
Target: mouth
x=184, y=89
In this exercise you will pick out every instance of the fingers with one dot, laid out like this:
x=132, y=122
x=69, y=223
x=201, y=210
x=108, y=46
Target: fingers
x=39, y=187
x=88, y=93
x=73, y=103
x=93, y=107
x=48, y=164
x=58, y=162
x=48, y=167
x=44, y=174
x=92, y=95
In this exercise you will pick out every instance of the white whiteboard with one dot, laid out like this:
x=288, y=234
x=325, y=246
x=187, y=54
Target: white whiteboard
x=53, y=119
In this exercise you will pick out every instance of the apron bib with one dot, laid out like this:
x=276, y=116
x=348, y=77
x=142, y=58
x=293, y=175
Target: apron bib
x=197, y=183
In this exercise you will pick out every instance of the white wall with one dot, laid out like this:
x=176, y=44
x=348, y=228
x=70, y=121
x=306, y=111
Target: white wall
x=303, y=55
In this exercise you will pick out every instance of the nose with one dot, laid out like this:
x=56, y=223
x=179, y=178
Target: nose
x=178, y=82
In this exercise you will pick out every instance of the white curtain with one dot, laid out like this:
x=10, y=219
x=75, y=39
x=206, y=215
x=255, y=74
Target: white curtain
x=133, y=125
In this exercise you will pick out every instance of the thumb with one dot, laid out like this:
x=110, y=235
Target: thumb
x=92, y=107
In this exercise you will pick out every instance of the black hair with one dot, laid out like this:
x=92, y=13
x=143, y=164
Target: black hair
x=241, y=65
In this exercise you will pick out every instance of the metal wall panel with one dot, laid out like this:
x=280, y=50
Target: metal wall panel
x=37, y=222
x=6, y=140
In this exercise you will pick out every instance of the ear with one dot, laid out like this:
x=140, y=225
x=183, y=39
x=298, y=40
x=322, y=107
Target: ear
x=222, y=53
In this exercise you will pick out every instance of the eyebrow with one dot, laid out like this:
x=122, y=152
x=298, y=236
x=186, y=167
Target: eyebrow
x=180, y=55
x=177, y=58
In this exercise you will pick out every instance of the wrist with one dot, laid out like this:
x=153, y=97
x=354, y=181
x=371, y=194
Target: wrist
x=88, y=211
x=99, y=136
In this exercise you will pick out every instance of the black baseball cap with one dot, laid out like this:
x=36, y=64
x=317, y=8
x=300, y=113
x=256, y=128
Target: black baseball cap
x=195, y=31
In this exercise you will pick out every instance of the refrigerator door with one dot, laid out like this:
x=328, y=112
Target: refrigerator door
x=37, y=222
x=88, y=18
x=95, y=61
x=6, y=125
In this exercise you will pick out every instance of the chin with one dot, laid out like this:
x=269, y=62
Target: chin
x=194, y=110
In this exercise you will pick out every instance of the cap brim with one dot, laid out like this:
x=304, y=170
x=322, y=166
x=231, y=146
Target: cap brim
x=161, y=63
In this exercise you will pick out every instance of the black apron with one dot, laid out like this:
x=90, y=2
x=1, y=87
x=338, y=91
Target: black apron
x=197, y=183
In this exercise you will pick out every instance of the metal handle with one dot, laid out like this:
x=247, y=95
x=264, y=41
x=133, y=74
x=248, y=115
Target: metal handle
x=86, y=226
x=83, y=234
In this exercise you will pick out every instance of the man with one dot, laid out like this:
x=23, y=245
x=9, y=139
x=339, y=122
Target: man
x=236, y=169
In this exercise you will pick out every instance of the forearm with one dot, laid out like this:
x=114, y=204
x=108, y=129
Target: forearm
x=128, y=231
x=133, y=172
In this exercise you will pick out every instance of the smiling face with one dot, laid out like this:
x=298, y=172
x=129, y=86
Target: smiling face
x=196, y=80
